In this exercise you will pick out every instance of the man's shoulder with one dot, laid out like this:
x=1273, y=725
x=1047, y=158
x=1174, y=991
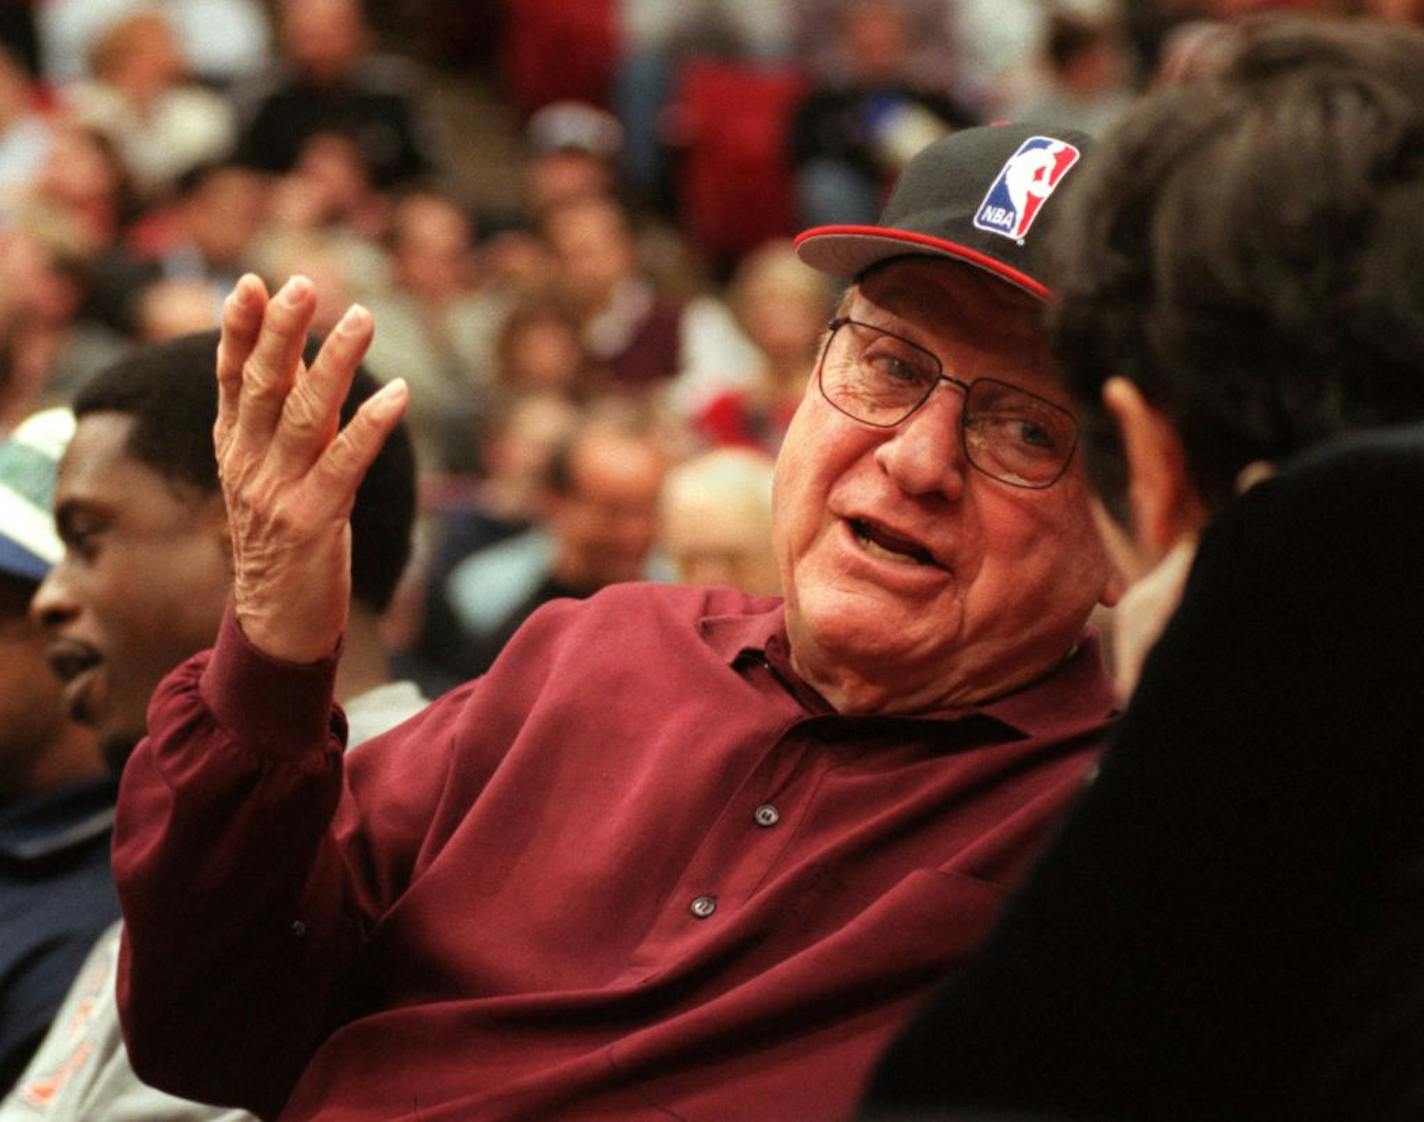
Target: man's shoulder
x=641, y=616
x=635, y=639
x=679, y=601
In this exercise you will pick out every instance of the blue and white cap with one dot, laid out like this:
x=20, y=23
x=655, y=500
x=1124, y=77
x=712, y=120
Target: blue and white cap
x=29, y=460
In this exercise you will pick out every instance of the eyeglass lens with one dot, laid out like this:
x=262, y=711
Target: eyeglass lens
x=1010, y=434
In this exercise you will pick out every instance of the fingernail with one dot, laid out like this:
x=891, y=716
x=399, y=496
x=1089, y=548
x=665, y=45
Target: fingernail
x=295, y=290
x=389, y=397
x=354, y=321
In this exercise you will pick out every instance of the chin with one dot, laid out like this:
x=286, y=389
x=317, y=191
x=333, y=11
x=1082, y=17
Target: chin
x=866, y=632
x=117, y=747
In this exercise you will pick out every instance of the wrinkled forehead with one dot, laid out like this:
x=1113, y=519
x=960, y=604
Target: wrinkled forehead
x=978, y=325
x=950, y=296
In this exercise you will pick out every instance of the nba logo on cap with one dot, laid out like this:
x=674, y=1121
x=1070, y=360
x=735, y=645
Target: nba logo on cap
x=1023, y=186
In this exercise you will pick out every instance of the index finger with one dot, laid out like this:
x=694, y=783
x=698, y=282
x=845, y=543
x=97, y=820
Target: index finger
x=275, y=360
x=241, y=323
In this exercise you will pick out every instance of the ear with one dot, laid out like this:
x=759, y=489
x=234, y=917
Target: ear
x=1123, y=564
x=1164, y=504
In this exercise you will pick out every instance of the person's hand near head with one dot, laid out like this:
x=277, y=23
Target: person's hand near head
x=289, y=471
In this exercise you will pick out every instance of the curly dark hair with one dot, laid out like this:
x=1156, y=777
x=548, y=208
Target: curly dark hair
x=170, y=390
x=1247, y=249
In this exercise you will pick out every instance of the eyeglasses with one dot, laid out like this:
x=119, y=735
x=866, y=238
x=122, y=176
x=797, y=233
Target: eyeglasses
x=876, y=377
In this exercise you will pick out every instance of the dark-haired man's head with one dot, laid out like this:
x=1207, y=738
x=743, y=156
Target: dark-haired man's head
x=603, y=483
x=221, y=208
x=147, y=565
x=1238, y=267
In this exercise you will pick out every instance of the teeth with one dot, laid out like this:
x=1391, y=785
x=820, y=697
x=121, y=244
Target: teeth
x=875, y=549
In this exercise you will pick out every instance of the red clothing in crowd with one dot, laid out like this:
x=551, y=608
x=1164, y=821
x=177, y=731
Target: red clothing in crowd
x=734, y=420
x=638, y=871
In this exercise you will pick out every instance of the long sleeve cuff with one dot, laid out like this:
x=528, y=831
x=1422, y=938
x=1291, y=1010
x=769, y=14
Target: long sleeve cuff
x=278, y=709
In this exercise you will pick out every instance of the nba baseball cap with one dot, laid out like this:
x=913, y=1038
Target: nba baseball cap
x=984, y=196
x=29, y=459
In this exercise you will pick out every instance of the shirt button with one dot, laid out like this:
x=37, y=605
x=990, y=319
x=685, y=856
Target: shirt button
x=704, y=906
x=767, y=815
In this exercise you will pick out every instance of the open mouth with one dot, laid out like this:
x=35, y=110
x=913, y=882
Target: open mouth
x=879, y=542
x=69, y=659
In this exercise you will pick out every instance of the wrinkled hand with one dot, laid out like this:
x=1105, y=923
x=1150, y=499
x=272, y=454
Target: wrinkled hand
x=289, y=472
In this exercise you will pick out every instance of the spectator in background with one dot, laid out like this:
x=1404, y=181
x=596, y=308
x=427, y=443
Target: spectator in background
x=328, y=81
x=285, y=253
x=932, y=50
x=438, y=323
x=783, y=305
x=330, y=188
x=47, y=349
x=140, y=97
x=997, y=49
x=18, y=34
x=166, y=309
x=84, y=179
x=540, y=348
x=221, y=39
x=641, y=338
x=573, y=152
x=141, y=587
x=598, y=525
x=24, y=132
x=854, y=132
x=514, y=444
x=573, y=155
x=657, y=36
x=202, y=240
x=1409, y=12
x=1086, y=73
x=218, y=213
x=714, y=521
x=56, y=795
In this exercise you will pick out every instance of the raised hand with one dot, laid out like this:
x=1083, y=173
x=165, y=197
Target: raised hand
x=289, y=472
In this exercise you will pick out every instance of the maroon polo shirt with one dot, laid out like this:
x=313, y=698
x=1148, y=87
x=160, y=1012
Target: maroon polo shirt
x=637, y=871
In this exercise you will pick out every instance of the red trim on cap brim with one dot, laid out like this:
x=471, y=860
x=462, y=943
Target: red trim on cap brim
x=917, y=243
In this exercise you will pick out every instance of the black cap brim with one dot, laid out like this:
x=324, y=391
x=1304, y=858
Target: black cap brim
x=848, y=251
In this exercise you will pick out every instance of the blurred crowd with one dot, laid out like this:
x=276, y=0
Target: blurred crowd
x=601, y=373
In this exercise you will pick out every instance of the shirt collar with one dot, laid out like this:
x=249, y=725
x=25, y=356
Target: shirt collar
x=735, y=634
x=1077, y=691
x=58, y=820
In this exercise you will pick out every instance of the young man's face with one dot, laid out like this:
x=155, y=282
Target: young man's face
x=142, y=583
x=904, y=569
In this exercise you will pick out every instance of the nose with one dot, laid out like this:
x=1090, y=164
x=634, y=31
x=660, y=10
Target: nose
x=924, y=454
x=53, y=605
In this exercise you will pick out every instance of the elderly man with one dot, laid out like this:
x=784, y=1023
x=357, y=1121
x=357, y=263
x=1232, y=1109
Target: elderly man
x=680, y=853
x=1229, y=924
